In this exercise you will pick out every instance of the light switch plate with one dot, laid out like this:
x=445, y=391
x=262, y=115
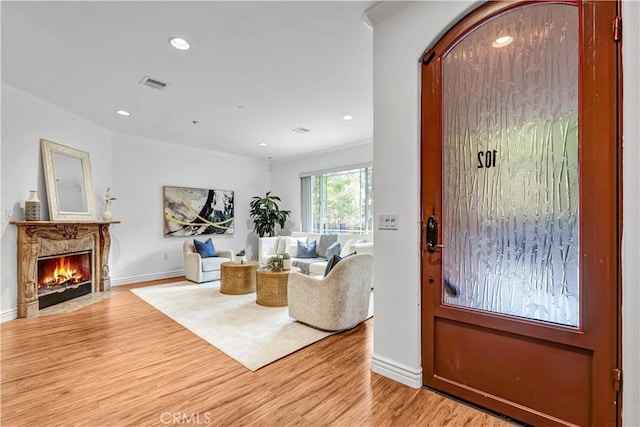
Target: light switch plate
x=388, y=221
x=8, y=214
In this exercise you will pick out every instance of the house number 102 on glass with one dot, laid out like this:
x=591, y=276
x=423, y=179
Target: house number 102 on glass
x=487, y=159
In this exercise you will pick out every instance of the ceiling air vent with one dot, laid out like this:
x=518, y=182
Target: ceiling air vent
x=300, y=130
x=153, y=83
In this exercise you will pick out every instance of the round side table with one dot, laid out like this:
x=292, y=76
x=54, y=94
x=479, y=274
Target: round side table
x=271, y=287
x=238, y=279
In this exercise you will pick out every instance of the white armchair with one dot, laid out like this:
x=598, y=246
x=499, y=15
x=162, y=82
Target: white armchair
x=198, y=269
x=336, y=302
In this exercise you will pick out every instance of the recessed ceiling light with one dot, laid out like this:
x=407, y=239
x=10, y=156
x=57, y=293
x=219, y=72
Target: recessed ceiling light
x=502, y=41
x=123, y=112
x=347, y=117
x=263, y=144
x=179, y=43
x=242, y=107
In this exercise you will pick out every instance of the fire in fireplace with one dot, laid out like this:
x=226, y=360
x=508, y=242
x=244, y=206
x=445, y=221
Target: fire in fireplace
x=63, y=277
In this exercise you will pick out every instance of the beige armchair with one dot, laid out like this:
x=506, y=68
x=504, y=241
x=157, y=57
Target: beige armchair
x=198, y=269
x=337, y=301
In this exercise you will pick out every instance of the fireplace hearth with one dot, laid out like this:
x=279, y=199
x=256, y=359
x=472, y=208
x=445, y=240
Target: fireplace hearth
x=59, y=261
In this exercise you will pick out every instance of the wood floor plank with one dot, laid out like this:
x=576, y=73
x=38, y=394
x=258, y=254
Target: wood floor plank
x=120, y=362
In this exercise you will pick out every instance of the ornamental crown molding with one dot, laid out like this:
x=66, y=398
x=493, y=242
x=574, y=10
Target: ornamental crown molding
x=383, y=10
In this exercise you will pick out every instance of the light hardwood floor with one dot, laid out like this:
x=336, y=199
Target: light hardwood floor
x=120, y=362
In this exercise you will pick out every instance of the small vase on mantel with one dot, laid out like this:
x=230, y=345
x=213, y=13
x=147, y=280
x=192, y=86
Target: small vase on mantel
x=108, y=198
x=32, y=207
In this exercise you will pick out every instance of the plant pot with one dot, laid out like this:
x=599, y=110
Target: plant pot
x=240, y=259
x=286, y=264
x=106, y=216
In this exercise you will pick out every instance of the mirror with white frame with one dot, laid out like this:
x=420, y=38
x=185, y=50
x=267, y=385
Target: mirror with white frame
x=67, y=173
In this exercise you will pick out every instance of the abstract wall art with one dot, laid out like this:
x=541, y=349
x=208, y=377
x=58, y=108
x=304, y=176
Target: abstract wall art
x=196, y=211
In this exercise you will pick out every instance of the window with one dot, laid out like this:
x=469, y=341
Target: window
x=338, y=201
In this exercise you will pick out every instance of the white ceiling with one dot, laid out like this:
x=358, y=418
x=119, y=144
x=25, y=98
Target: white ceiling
x=292, y=64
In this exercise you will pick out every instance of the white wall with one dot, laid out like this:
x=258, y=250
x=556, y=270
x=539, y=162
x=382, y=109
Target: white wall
x=2, y=228
x=399, y=42
x=141, y=168
x=25, y=120
x=135, y=169
x=631, y=215
x=285, y=175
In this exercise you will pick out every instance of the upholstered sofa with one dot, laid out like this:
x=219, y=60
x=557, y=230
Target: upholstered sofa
x=315, y=266
x=338, y=301
x=198, y=269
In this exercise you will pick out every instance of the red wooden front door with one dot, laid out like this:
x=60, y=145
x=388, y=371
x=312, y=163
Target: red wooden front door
x=520, y=236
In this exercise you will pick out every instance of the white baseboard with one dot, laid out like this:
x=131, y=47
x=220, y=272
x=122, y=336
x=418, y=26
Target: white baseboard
x=7, y=315
x=397, y=371
x=146, y=277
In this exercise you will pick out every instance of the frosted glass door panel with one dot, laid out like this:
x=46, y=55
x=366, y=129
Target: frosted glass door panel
x=510, y=219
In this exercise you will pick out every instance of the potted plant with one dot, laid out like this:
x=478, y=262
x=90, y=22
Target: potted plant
x=241, y=257
x=274, y=264
x=286, y=261
x=266, y=214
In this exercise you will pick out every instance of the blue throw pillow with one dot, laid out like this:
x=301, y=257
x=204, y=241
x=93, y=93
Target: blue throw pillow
x=205, y=249
x=307, y=250
x=335, y=259
x=334, y=249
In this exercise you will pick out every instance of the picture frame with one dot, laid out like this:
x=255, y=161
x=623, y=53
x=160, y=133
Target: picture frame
x=197, y=211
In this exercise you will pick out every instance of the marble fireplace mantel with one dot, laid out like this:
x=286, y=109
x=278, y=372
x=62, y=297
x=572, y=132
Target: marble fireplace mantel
x=38, y=239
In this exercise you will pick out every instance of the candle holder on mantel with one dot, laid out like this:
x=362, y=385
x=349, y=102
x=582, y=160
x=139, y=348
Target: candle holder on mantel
x=32, y=207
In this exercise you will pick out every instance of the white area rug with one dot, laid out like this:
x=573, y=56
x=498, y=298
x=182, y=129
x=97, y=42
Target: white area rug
x=249, y=333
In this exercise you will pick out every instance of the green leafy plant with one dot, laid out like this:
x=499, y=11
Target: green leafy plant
x=266, y=214
x=275, y=263
x=242, y=252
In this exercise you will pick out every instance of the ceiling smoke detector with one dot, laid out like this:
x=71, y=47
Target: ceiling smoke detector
x=153, y=83
x=300, y=130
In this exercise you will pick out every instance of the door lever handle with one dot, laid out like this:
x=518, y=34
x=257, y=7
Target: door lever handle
x=432, y=234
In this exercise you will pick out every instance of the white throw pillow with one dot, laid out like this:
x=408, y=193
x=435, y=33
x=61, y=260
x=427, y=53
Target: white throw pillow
x=292, y=245
x=281, y=245
x=272, y=249
x=346, y=249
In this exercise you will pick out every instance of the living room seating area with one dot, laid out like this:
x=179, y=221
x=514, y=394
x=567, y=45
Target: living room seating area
x=311, y=251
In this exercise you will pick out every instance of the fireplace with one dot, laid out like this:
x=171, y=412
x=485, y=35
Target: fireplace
x=63, y=277
x=59, y=261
